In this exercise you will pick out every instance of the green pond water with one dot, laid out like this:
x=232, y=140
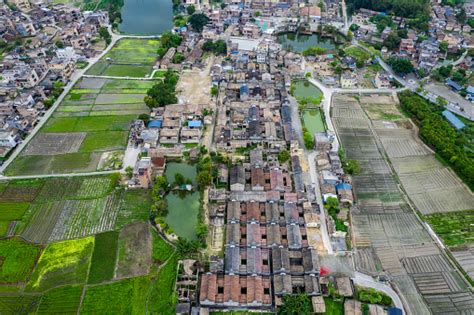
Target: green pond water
x=182, y=212
x=305, y=89
x=299, y=42
x=313, y=121
x=146, y=17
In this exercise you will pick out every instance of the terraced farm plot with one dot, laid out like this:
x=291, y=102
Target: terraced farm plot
x=127, y=296
x=454, y=228
x=16, y=304
x=385, y=229
x=55, y=143
x=104, y=257
x=128, y=58
x=93, y=120
x=465, y=257
x=17, y=259
x=62, y=263
x=62, y=300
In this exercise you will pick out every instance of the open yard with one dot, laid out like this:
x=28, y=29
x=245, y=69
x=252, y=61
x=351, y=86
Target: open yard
x=128, y=58
x=92, y=121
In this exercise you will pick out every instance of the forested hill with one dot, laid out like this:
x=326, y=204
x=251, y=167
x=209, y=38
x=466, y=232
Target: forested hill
x=404, y=8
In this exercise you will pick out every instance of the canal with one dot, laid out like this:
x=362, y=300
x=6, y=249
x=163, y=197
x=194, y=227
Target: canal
x=182, y=210
x=299, y=42
x=146, y=17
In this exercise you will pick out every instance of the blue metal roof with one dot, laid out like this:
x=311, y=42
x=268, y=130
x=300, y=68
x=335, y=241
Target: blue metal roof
x=154, y=124
x=394, y=311
x=470, y=89
x=453, y=120
x=194, y=123
x=343, y=186
x=454, y=85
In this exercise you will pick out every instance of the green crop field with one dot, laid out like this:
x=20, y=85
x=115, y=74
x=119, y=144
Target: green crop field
x=17, y=259
x=128, y=58
x=104, y=140
x=62, y=263
x=104, y=257
x=136, y=207
x=86, y=124
x=455, y=228
x=62, y=300
x=122, y=297
x=14, y=304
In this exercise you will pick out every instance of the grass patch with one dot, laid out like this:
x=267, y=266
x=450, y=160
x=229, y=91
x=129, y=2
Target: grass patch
x=358, y=53
x=455, y=228
x=162, y=299
x=161, y=249
x=104, y=141
x=63, y=300
x=17, y=259
x=103, y=257
x=333, y=307
x=62, y=263
x=122, y=297
x=12, y=210
x=136, y=207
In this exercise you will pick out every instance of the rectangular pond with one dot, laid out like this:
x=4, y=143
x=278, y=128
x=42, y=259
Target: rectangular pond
x=313, y=121
x=300, y=42
x=146, y=17
x=183, y=208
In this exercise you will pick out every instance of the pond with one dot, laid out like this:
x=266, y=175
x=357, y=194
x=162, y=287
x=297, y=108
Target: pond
x=182, y=211
x=146, y=17
x=305, y=89
x=313, y=121
x=299, y=42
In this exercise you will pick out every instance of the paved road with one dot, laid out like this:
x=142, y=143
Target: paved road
x=367, y=281
x=60, y=175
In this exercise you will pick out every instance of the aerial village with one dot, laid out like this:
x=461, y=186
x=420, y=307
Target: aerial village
x=236, y=135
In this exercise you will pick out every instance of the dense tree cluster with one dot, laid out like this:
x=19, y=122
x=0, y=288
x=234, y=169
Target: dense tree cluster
x=400, y=65
x=314, y=51
x=449, y=143
x=198, y=21
x=296, y=304
x=218, y=47
x=168, y=40
x=163, y=93
x=404, y=8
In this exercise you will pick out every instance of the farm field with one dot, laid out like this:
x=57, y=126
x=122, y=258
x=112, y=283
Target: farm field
x=128, y=58
x=82, y=251
x=92, y=121
x=103, y=257
x=62, y=263
x=388, y=236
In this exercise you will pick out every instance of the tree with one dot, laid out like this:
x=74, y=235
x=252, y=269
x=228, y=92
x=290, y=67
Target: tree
x=400, y=65
x=402, y=33
x=104, y=34
x=352, y=167
x=314, y=51
x=179, y=179
x=59, y=44
x=308, y=140
x=163, y=93
x=458, y=76
x=177, y=58
x=204, y=178
x=283, y=156
x=191, y=9
x=169, y=39
x=201, y=231
x=296, y=304
x=161, y=182
x=443, y=46
x=257, y=13
x=214, y=90
x=129, y=171
x=144, y=117
x=197, y=21
x=392, y=41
